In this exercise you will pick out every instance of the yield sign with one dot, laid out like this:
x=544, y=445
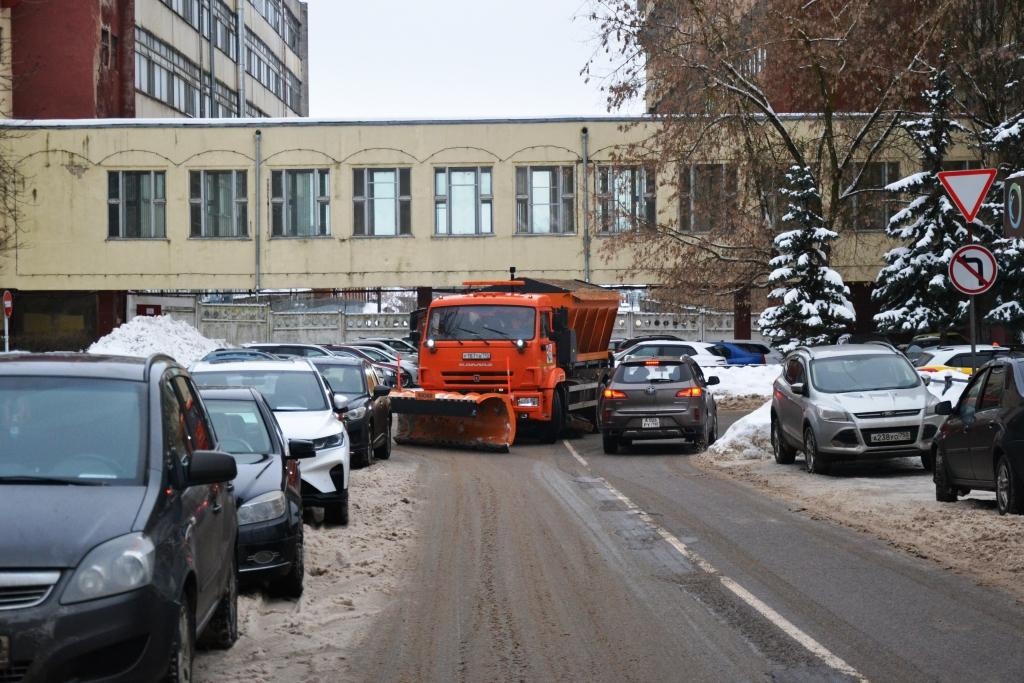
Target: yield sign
x=968, y=188
x=973, y=269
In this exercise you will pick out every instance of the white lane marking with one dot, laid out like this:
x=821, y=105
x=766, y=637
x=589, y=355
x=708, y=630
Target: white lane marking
x=830, y=659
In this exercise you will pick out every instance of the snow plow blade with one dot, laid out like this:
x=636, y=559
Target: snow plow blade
x=474, y=421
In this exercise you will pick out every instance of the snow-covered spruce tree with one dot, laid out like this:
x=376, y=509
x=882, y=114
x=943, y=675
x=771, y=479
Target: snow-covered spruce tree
x=1007, y=142
x=813, y=305
x=913, y=288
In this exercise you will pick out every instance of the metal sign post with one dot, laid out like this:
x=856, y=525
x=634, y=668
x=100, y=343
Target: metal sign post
x=8, y=310
x=972, y=270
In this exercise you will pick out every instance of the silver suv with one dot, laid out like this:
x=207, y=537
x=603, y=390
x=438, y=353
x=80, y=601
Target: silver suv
x=851, y=402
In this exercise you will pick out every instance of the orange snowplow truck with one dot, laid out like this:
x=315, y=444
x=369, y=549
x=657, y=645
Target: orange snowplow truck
x=508, y=356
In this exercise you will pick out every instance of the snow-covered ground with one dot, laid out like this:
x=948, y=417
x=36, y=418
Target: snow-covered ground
x=145, y=335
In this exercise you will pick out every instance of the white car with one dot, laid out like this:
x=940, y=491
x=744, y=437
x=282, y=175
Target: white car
x=941, y=359
x=700, y=352
x=305, y=408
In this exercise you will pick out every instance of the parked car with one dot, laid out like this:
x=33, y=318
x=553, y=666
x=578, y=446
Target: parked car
x=940, y=359
x=390, y=350
x=367, y=414
x=851, y=402
x=268, y=492
x=735, y=354
x=289, y=350
x=657, y=398
x=396, y=345
x=633, y=341
x=117, y=552
x=756, y=353
x=380, y=356
x=981, y=445
x=304, y=407
x=221, y=355
x=388, y=372
x=704, y=354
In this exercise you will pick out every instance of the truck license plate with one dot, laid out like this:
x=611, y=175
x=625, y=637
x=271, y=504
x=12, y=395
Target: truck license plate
x=886, y=437
x=5, y=652
x=650, y=422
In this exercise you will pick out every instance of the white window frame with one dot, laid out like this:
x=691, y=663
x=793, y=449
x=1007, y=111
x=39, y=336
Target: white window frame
x=484, y=201
x=363, y=201
x=526, y=202
x=157, y=205
x=239, y=202
x=320, y=203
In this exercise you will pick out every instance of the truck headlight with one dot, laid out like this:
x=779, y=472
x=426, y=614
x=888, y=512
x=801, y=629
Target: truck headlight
x=117, y=566
x=262, y=508
x=528, y=402
x=833, y=414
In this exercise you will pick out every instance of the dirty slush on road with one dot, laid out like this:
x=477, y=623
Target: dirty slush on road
x=351, y=573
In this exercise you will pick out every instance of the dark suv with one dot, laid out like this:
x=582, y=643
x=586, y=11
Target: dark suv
x=118, y=546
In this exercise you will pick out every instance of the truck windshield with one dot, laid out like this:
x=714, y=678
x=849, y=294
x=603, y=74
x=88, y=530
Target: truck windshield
x=481, y=322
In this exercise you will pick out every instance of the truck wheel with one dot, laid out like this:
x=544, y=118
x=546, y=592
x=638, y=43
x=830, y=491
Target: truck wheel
x=553, y=429
x=610, y=443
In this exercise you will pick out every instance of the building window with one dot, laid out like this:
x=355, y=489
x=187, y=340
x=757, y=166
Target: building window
x=136, y=203
x=707, y=196
x=382, y=201
x=301, y=203
x=872, y=207
x=105, y=47
x=218, y=203
x=545, y=199
x=462, y=201
x=625, y=197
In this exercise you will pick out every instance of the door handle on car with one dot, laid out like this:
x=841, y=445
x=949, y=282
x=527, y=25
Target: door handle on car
x=217, y=507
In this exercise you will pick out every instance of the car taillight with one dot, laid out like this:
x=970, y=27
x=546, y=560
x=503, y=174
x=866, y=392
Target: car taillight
x=614, y=393
x=691, y=392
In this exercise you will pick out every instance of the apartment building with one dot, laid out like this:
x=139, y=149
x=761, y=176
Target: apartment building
x=158, y=58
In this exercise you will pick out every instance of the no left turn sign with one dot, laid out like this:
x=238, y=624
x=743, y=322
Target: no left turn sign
x=973, y=269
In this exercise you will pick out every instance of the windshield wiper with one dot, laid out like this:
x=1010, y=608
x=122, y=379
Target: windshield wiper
x=491, y=329
x=473, y=332
x=31, y=479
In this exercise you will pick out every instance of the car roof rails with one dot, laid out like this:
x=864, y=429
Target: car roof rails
x=152, y=360
x=878, y=342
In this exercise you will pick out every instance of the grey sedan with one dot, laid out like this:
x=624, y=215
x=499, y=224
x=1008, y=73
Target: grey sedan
x=658, y=398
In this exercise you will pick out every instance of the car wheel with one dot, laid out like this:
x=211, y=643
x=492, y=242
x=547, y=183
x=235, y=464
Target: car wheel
x=783, y=452
x=700, y=444
x=179, y=669
x=222, y=631
x=364, y=456
x=1008, y=489
x=944, y=491
x=383, y=452
x=291, y=584
x=610, y=443
x=713, y=437
x=928, y=461
x=337, y=513
x=814, y=461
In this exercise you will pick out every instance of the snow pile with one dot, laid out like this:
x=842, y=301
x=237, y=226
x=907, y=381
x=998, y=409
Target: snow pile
x=744, y=380
x=749, y=438
x=145, y=335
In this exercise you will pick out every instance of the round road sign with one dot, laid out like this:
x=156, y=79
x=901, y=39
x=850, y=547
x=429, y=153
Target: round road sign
x=973, y=269
x=8, y=303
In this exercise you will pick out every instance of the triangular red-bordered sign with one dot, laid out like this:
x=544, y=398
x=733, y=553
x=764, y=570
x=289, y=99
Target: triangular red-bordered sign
x=968, y=188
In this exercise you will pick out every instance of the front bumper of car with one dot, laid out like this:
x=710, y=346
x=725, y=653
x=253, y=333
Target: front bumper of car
x=267, y=549
x=326, y=475
x=856, y=440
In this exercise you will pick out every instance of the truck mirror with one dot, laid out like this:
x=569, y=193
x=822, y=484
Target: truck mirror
x=560, y=319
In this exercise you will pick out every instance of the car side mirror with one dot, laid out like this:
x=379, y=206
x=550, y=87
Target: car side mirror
x=799, y=388
x=299, y=449
x=926, y=379
x=711, y=380
x=944, y=408
x=340, y=403
x=211, y=467
x=380, y=391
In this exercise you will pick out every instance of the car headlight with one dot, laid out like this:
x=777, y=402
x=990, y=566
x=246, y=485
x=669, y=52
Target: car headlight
x=117, y=566
x=833, y=414
x=332, y=441
x=356, y=413
x=262, y=508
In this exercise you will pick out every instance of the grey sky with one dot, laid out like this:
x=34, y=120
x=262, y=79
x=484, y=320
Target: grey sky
x=451, y=58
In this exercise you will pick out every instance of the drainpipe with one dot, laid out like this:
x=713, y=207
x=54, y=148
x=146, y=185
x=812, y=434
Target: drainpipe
x=585, y=141
x=259, y=205
x=211, y=24
x=240, y=54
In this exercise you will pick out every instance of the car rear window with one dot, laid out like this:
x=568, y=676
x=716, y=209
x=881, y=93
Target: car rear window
x=648, y=374
x=963, y=360
x=344, y=379
x=240, y=428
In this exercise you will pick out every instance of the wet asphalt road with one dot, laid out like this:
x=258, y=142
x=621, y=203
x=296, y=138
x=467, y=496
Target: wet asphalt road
x=540, y=565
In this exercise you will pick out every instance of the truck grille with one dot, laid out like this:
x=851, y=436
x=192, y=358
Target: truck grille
x=476, y=380
x=19, y=590
x=888, y=413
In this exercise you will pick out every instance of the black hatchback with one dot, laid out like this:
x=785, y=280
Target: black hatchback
x=981, y=444
x=267, y=489
x=367, y=414
x=118, y=544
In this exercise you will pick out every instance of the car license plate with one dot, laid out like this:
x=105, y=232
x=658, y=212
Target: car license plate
x=5, y=653
x=886, y=437
x=650, y=422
